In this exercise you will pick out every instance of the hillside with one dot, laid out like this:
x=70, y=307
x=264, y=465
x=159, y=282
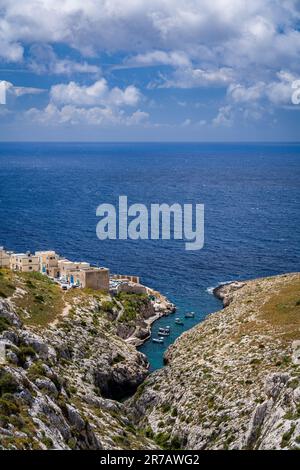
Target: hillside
x=73, y=378
x=66, y=364
x=233, y=381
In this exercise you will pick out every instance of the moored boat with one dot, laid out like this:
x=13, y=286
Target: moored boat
x=157, y=340
x=178, y=321
x=163, y=333
x=189, y=315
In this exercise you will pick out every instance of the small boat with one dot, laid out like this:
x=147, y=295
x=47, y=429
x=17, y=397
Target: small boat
x=189, y=315
x=163, y=333
x=178, y=321
x=158, y=340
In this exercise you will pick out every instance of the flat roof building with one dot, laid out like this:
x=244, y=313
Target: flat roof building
x=48, y=261
x=4, y=258
x=91, y=278
x=24, y=262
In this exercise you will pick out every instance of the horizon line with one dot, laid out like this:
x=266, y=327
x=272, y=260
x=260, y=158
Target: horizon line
x=149, y=141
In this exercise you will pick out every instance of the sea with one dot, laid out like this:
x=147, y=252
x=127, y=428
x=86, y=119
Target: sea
x=49, y=193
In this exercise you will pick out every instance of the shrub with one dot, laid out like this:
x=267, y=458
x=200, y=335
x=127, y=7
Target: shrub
x=47, y=441
x=4, y=324
x=166, y=407
x=107, y=306
x=8, y=384
x=25, y=352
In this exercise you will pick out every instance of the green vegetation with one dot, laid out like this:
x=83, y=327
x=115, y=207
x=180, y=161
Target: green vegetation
x=287, y=436
x=118, y=358
x=7, y=287
x=42, y=300
x=25, y=352
x=7, y=383
x=107, y=306
x=132, y=303
x=4, y=324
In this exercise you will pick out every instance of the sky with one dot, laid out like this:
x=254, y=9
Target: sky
x=141, y=70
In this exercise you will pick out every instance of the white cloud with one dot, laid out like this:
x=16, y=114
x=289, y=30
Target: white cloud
x=98, y=93
x=75, y=115
x=242, y=46
x=44, y=60
x=224, y=117
x=173, y=58
x=96, y=104
x=194, y=78
x=229, y=31
x=277, y=92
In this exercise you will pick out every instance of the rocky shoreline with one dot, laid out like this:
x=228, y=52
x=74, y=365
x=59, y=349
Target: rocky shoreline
x=161, y=309
x=225, y=292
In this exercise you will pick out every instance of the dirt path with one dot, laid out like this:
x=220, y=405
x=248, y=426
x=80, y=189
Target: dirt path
x=121, y=311
x=63, y=314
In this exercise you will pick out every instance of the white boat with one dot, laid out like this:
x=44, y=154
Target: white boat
x=163, y=333
x=178, y=321
x=189, y=315
x=157, y=340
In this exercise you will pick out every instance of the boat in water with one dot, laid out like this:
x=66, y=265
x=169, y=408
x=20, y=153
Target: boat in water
x=163, y=333
x=190, y=315
x=158, y=340
x=178, y=321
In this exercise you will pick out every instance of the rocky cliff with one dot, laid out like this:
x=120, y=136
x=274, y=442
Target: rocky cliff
x=70, y=364
x=233, y=381
x=67, y=365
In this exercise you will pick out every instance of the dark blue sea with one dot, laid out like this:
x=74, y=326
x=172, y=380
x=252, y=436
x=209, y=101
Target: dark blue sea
x=49, y=194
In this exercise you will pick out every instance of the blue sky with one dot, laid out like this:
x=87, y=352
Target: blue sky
x=197, y=70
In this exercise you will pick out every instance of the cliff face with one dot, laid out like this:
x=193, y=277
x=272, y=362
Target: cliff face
x=233, y=381
x=66, y=365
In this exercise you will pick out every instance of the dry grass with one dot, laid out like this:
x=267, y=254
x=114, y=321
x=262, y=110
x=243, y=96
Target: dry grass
x=38, y=301
x=282, y=311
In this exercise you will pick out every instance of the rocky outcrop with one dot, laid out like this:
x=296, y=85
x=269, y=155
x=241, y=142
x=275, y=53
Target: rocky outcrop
x=232, y=382
x=225, y=292
x=58, y=382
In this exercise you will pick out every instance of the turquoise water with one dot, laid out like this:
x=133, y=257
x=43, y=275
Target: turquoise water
x=49, y=194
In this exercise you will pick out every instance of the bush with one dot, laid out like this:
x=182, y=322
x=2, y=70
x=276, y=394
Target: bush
x=25, y=352
x=4, y=324
x=8, y=384
x=107, y=306
x=8, y=405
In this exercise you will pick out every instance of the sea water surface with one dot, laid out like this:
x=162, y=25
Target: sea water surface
x=49, y=194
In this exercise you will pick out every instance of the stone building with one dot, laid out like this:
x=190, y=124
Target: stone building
x=92, y=278
x=48, y=262
x=4, y=258
x=24, y=262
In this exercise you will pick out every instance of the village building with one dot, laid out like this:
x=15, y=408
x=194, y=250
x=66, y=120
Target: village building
x=4, y=258
x=73, y=273
x=48, y=262
x=24, y=262
x=126, y=277
x=91, y=278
